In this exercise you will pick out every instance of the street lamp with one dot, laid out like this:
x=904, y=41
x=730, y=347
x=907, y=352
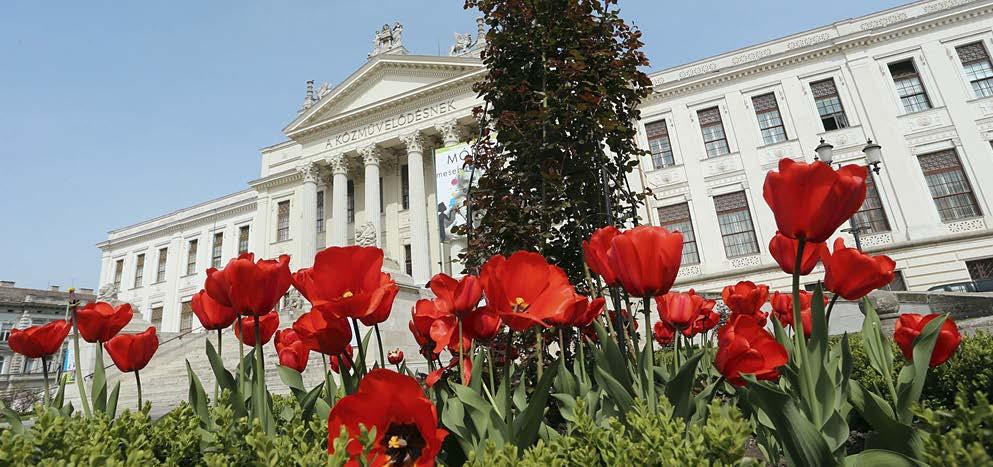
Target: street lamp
x=874, y=158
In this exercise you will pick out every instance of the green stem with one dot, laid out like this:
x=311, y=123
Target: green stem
x=327, y=380
x=489, y=362
x=379, y=341
x=807, y=379
x=650, y=370
x=259, y=375
x=137, y=380
x=540, y=347
x=79, y=368
x=507, y=368
x=241, y=360
x=582, y=356
x=461, y=367
x=217, y=383
x=358, y=337
x=827, y=318
x=44, y=373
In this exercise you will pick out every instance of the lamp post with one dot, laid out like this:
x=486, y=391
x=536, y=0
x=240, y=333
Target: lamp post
x=873, y=156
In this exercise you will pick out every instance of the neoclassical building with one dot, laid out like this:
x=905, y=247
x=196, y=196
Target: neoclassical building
x=362, y=160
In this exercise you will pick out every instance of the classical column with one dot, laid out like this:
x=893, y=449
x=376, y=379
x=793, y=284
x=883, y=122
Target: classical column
x=451, y=134
x=339, y=199
x=420, y=256
x=308, y=204
x=370, y=157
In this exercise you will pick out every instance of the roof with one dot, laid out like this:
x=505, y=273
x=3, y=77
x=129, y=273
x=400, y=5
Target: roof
x=10, y=295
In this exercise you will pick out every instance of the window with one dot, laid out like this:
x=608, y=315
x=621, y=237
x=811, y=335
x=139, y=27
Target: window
x=186, y=317
x=736, y=224
x=677, y=217
x=871, y=218
x=909, y=87
x=191, y=257
x=161, y=272
x=139, y=270
x=979, y=269
x=829, y=104
x=118, y=273
x=408, y=262
x=5, y=329
x=216, y=251
x=714, y=139
x=320, y=211
x=897, y=284
x=404, y=187
x=382, y=199
x=976, y=63
x=951, y=191
x=243, y=239
x=770, y=121
x=157, y=317
x=659, y=145
x=350, y=191
x=283, y=221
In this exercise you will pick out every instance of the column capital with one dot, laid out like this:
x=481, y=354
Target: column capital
x=311, y=172
x=451, y=132
x=371, y=154
x=415, y=141
x=338, y=163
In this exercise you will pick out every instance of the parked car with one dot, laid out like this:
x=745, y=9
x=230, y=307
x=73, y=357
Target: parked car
x=981, y=285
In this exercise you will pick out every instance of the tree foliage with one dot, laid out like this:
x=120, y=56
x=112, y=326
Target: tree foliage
x=561, y=97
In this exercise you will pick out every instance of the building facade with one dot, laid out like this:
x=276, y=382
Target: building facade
x=358, y=163
x=21, y=308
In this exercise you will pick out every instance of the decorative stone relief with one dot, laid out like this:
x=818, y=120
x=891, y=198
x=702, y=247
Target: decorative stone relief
x=370, y=154
x=108, y=293
x=986, y=107
x=850, y=136
x=293, y=303
x=414, y=141
x=930, y=137
x=876, y=240
x=311, y=173
x=970, y=225
x=387, y=39
x=773, y=154
x=365, y=235
x=744, y=261
x=689, y=271
x=722, y=165
x=921, y=121
x=338, y=163
x=666, y=176
x=450, y=130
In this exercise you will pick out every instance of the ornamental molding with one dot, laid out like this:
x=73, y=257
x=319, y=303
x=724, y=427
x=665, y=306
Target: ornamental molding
x=812, y=45
x=721, y=186
x=370, y=154
x=179, y=226
x=744, y=261
x=276, y=179
x=968, y=225
x=722, y=165
x=880, y=239
x=310, y=173
x=848, y=137
x=772, y=154
x=667, y=176
x=338, y=163
x=934, y=136
x=450, y=130
x=927, y=120
x=415, y=141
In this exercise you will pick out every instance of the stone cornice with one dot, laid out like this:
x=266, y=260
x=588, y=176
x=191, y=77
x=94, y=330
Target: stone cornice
x=276, y=179
x=167, y=229
x=814, y=44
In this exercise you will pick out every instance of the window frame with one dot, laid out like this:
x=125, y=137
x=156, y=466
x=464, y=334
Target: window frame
x=350, y=202
x=971, y=83
x=971, y=193
x=873, y=187
x=845, y=121
x=408, y=259
x=320, y=212
x=915, y=75
x=404, y=187
x=244, y=239
x=163, y=260
x=688, y=219
x=979, y=263
x=217, y=250
x=139, y=270
x=283, y=221
x=775, y=109
x=665, y=135
x=118, y=272
x=192, y=248
x=751, y=222
x=723, y=131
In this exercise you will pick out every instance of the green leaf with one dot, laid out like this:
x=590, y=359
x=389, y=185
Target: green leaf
x=911, y=380
x=880, y=458
x=292, y=379
x=565, y=382
x=99, y=394
x=112, y=400
x=609, y=358
x=12, y=419
x=226, y=380
x=59, y=399
x=198, y=398
x=679, y=390
x=526, y=425
x=818, y=341
x=309, y=400
x=879, y=351
x=889, y=433
x=476, y=376
x=618, y=393
x=801, y=440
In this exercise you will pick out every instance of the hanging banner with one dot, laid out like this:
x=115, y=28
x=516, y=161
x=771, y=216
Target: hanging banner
x=451, y=185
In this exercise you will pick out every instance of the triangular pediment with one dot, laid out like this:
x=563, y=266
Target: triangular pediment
x=383, y=78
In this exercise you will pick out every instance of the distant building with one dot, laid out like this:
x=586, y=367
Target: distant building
x=21, y=308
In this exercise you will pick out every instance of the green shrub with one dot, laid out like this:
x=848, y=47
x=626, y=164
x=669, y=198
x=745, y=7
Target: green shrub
x=651, y=440
x=960, y=436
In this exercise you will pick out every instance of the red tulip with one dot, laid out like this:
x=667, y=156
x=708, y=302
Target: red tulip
x=782, y=309
x=436, y=375
x=100, y=321
x=744, y=347
x=746, y=298
x=211, y=313
x=646, y=259
x=525, y=290
x=595, y=250
x=345, y=281
x=680, y=310
x=910, y=325
x=395, y=357
x=783, y=249
x=268, y=323
x=457, y=296
x=435, y=322
x=481, y=324
x=337, y=361
x=664, y=333
x=580, y=314
x=132, y=352
x=852, y=274
x=323, y=333
x=39, y=341
x=405, y=421
x=811, y=201
x=250, y=288
x=382, y=312
x=707, y=319
x=293, y=353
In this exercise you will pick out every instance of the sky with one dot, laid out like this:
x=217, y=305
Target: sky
x=115, y=112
